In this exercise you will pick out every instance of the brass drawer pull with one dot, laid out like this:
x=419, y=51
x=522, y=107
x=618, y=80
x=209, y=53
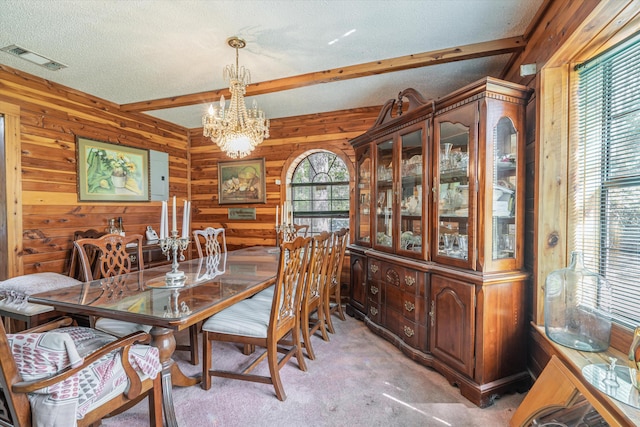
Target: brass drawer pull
x=373, y=311
x=374, y=290
x=410, y=281
x=408, y=331
x=374, y=268
x=409, y=306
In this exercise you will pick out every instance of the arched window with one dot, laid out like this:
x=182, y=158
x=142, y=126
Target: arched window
x=320, y=192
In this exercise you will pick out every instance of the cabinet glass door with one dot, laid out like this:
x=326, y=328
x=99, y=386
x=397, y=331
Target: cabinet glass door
x=453, y=190
x=505, y=166
x=363, y=196
x=384, y=195
x=411, y=219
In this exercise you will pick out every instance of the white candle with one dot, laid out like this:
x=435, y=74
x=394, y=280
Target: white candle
x=163, y=219
x=277, y=215
x=173, y=224
x=188, y=219
x=184, y=220
x=284, y=213
x=166, y=219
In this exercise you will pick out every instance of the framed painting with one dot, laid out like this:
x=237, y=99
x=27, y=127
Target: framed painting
x=111, y=172
x=241, y=182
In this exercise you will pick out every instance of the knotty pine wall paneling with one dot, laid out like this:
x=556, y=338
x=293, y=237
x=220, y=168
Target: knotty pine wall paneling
x=51, y=116
x=290, y=138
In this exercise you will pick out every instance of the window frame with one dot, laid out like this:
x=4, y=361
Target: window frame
x=554, y=116
x=330, y=214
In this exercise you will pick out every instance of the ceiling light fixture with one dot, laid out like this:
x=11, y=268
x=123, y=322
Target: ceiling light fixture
x=236, y=130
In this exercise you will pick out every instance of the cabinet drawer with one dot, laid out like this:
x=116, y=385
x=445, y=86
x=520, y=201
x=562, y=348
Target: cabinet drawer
x=374, y=271
x=374, y=311
x=374, y=291
x=413, y=308
x=412, y=281
x=409, y=332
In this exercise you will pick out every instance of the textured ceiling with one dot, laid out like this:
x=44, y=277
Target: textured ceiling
x=139, y=50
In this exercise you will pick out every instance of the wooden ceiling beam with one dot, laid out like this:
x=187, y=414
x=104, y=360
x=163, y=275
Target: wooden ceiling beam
x=434, y=57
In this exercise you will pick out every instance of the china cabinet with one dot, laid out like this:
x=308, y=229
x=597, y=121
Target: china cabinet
x=439, y=229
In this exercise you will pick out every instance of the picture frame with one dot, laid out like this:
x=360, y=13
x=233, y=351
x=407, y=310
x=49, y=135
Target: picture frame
x=111, y=172
x=242, y=182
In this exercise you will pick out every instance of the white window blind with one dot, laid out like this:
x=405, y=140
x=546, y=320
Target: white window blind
x=605, y=174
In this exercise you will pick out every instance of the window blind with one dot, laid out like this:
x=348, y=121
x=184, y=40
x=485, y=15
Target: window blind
x=604, y=213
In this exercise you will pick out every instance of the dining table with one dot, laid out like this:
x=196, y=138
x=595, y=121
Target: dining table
x=148, y=297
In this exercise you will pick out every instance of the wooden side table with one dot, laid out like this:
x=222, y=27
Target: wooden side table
x=562, y=385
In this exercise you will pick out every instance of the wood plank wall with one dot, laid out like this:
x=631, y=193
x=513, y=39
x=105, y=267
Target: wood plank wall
x=290, y=138
x=51, y=116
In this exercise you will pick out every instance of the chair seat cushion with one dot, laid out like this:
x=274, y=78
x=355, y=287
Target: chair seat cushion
x=25, y=308
x=119, y=328
x=41, y=355
x=247, y=318
x=16, y=291
x=265, y=294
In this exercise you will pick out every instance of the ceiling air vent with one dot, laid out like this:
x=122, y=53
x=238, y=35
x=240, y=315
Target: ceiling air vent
x=27, y=55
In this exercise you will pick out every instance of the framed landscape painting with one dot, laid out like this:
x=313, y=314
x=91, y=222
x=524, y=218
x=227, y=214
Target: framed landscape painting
x=111, y=172
x=241, y=182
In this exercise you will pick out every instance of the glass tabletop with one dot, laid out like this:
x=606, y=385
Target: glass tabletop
x=210, y=285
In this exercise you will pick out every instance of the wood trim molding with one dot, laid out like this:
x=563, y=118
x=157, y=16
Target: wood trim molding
x=551, y=185
x=12, y=189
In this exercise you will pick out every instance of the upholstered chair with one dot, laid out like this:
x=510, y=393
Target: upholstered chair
x=58, y=375
x=273, y=325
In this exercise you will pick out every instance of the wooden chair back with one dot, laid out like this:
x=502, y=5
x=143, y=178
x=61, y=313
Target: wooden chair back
x=112, y=259
x=212, y=239
x=287, y=297
x=301, y=229
x=75, y=269
x=338, y=248
x=314, y=291
x=332, y=287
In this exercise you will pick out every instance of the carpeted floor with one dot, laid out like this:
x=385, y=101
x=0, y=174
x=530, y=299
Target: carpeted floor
x=357, y=379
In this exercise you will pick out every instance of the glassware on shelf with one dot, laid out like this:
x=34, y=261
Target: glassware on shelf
x=577, y=307
x=445, y=156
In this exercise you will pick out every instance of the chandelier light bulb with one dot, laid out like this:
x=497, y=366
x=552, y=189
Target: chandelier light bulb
x=236, y=130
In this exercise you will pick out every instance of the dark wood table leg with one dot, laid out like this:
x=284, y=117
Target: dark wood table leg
x=164, y=340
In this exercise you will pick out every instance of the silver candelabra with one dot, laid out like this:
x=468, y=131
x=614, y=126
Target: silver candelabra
x=170, y=246
x=284, y=233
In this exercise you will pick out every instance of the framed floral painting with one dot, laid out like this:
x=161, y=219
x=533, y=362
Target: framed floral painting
x=111, y=172
x=241, y=182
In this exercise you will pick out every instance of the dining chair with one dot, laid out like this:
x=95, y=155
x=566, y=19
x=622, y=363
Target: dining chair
x=55, y=373
x=332, y=298
x=263, y=323
x=210, y=243
x=75, y=269
x=301, y=229
x=313, y=292
x=113, y=260
x=213, y=241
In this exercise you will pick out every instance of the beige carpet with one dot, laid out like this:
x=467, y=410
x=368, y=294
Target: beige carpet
x=357, y=379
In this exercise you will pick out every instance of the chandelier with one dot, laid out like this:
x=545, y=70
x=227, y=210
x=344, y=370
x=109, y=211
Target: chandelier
x=236, y=130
